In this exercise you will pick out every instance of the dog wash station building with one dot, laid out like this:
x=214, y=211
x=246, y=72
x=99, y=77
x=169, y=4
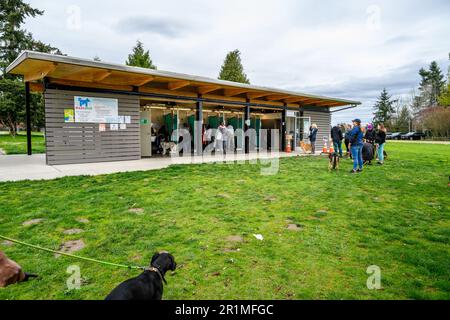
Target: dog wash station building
x=97, y=112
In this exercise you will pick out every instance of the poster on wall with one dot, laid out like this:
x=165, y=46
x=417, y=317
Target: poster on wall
x=96, y=110
x=114, y=127
x=69, y=115
x=102, y=127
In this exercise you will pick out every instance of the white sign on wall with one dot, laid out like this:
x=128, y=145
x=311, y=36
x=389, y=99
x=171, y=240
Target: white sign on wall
x=96, y=110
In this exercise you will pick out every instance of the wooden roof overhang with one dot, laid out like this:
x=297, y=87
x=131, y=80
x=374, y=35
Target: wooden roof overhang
x=64, y=71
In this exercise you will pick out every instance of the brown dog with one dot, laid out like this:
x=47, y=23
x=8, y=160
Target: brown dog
x=306, y=147
x=11, y=272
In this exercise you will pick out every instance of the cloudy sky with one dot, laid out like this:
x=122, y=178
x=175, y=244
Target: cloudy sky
x=349, y=49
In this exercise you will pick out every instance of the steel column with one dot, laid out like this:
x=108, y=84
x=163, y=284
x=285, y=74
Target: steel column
x=283, y=128
x=28, y=117
x=198, y=127
x=247, y=125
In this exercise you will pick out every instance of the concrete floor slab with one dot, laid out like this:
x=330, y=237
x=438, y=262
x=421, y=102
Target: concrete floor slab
x=23, y=167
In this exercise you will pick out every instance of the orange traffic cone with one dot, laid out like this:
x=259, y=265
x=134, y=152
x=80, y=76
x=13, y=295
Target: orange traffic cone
x=325, y=148
x=288, y=148
x=331, y=149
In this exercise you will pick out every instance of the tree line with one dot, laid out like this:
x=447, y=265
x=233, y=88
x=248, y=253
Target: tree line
x=426, y=110
x=14, y=39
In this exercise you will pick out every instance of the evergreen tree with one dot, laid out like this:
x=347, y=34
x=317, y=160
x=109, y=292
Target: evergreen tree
x=140, y=58
x=13, y=40
x=232, y=69
x=432, y=84
x=403, y=119
x=384, y=108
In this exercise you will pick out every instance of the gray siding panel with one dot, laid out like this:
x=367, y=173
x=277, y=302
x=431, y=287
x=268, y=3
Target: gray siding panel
x=323, y=120
x=69, y=143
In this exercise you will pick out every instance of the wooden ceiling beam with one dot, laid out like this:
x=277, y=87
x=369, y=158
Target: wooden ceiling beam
x=276, y=97
x=177, y=85
x=328, y=104
x=102, y=75
x=310, y=101
x=207, y=89
x=86, y=84
x=294, y=100
x=40, y=73
x=234, y=92
x=256, y=95
x=144, y=81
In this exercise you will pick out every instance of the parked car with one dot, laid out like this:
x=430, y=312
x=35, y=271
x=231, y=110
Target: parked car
x=394, y=136
x=413, y=136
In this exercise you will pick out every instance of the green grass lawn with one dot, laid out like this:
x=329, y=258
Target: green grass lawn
x=395, y=217
x=18, y=144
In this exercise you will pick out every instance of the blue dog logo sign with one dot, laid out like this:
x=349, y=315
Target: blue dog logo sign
x=84, y=102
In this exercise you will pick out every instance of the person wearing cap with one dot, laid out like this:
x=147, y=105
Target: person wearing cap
x=356, y=146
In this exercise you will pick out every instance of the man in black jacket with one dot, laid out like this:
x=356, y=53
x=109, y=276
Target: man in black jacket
x=337, y=137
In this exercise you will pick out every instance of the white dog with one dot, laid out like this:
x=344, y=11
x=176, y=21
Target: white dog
x=169, y=146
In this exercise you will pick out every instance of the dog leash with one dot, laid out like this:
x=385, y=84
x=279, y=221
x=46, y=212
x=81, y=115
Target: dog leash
x=74, y=256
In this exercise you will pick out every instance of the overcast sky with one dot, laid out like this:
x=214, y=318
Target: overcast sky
x=349, y=49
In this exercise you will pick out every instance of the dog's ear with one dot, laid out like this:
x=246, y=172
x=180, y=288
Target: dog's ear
x=155, y=256
x=173, y=264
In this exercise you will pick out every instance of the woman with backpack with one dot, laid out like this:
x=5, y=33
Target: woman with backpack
x=356, y=146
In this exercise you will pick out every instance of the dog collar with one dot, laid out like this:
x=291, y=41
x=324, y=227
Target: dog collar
x=154, y=269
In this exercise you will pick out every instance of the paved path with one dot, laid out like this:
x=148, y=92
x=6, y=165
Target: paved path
x=23, y=167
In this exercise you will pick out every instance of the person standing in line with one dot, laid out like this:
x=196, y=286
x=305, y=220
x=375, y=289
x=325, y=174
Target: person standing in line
x=231, y=146
x=370, y=134
x=356, y=146
x=337, y=137
x=313, y=137
x=380, y=140
x=222, y=137
x=348, y=129
x=208, y=137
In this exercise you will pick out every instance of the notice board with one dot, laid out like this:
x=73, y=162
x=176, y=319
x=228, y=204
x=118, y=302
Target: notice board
x=96, y=110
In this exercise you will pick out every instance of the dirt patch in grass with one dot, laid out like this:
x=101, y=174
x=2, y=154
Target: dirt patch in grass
x=32, y=222
x=270, y=198
x=83, y=220
x=294, y=227
x=136, y=210
x=228, y=250
x=71, y=246
x=7, y=243
x=73, y=231
x=235, y=239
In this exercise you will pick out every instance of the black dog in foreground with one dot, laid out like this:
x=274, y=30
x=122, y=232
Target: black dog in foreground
x=149, y=284
x=334, y=161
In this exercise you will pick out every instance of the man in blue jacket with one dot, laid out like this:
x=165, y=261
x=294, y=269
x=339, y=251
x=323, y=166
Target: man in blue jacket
x=356, y=146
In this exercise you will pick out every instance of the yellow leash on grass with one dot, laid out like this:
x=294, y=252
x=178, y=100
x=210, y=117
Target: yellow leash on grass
x=73, y=256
